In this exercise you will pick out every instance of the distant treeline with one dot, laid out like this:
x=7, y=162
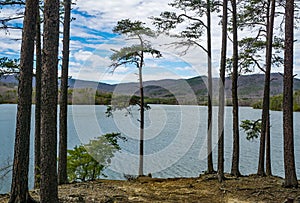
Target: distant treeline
x=9, y=95
x=89, y=96
x=277, y=101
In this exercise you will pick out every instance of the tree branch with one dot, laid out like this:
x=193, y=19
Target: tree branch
x=11, y=3
x=191, y=18
x=257, y=64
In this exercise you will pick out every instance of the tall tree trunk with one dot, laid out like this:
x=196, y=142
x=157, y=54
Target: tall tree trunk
x=288, y=131
x=142, y=117
x=38, y=86
x=269, y=63
x=268, y=149
x=221, y=95
x=63, y=121
x=210, y=166
x=266, y=98
x=235, y=111
x=19, y=187
x=48, y=189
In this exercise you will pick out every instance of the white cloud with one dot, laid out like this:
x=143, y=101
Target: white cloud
x=82, y=55
x=121, y=69
x=187, y=68
x=91, y=47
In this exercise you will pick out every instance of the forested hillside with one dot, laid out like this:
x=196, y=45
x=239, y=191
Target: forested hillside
x=250, y=90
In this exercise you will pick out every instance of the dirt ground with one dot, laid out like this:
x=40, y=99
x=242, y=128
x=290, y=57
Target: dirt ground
x=204, y=189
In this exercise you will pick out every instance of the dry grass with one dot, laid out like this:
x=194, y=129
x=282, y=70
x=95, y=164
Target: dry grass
x=203, y=189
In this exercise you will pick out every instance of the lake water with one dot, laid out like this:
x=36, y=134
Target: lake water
x=175, y=139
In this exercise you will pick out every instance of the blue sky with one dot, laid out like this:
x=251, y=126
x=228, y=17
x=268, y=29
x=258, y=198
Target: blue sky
x=92, y=41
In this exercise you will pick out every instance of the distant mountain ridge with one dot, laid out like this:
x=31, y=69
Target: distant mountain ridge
x=250, y=87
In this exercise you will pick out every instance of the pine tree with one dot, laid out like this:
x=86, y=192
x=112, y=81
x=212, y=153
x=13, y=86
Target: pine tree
x=288, y=132
x=235, y=110
x=221, y=94
x=38, y=81
x=48, y=188
x=63, y=114
x=190, y=37
x=135, y=54
x=19, y=187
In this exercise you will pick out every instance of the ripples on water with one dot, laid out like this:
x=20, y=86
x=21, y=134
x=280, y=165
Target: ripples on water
x=175, y=139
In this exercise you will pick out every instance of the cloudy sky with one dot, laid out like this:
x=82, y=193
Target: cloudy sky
x=92, y=41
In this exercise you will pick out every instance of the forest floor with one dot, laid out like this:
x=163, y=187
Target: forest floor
x=205, y=188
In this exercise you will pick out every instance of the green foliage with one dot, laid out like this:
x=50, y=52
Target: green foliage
x=276, y=102
x=252, y=13
x=10, y=96
x=251, y=54
x=297, y=101
x=171, y=101
x=81, y=165
x=251, y=128
x=102, y=98
x=87, y=162
x=104, y=147
x=132, y=55
x=253, y=16
x=296, y=107
x=167, y=21
x=132, y=28
x=257, y=105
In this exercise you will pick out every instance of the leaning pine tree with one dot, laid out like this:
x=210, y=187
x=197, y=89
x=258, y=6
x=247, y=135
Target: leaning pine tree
x=135, y=55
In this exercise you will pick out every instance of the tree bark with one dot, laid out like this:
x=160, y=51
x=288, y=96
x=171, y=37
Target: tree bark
x=288, y=131
x=210, y=166
x=63, y=116
x=48, y=189
x=268, y=149
x=221, y=95
x=142, y=118
x=265, y=133
x=269, y=61
x=19, y=187
x=38, y=86
x=235, y=104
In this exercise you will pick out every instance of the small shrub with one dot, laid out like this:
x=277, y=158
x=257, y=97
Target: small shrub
x=87, y=162
x=257, y=105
